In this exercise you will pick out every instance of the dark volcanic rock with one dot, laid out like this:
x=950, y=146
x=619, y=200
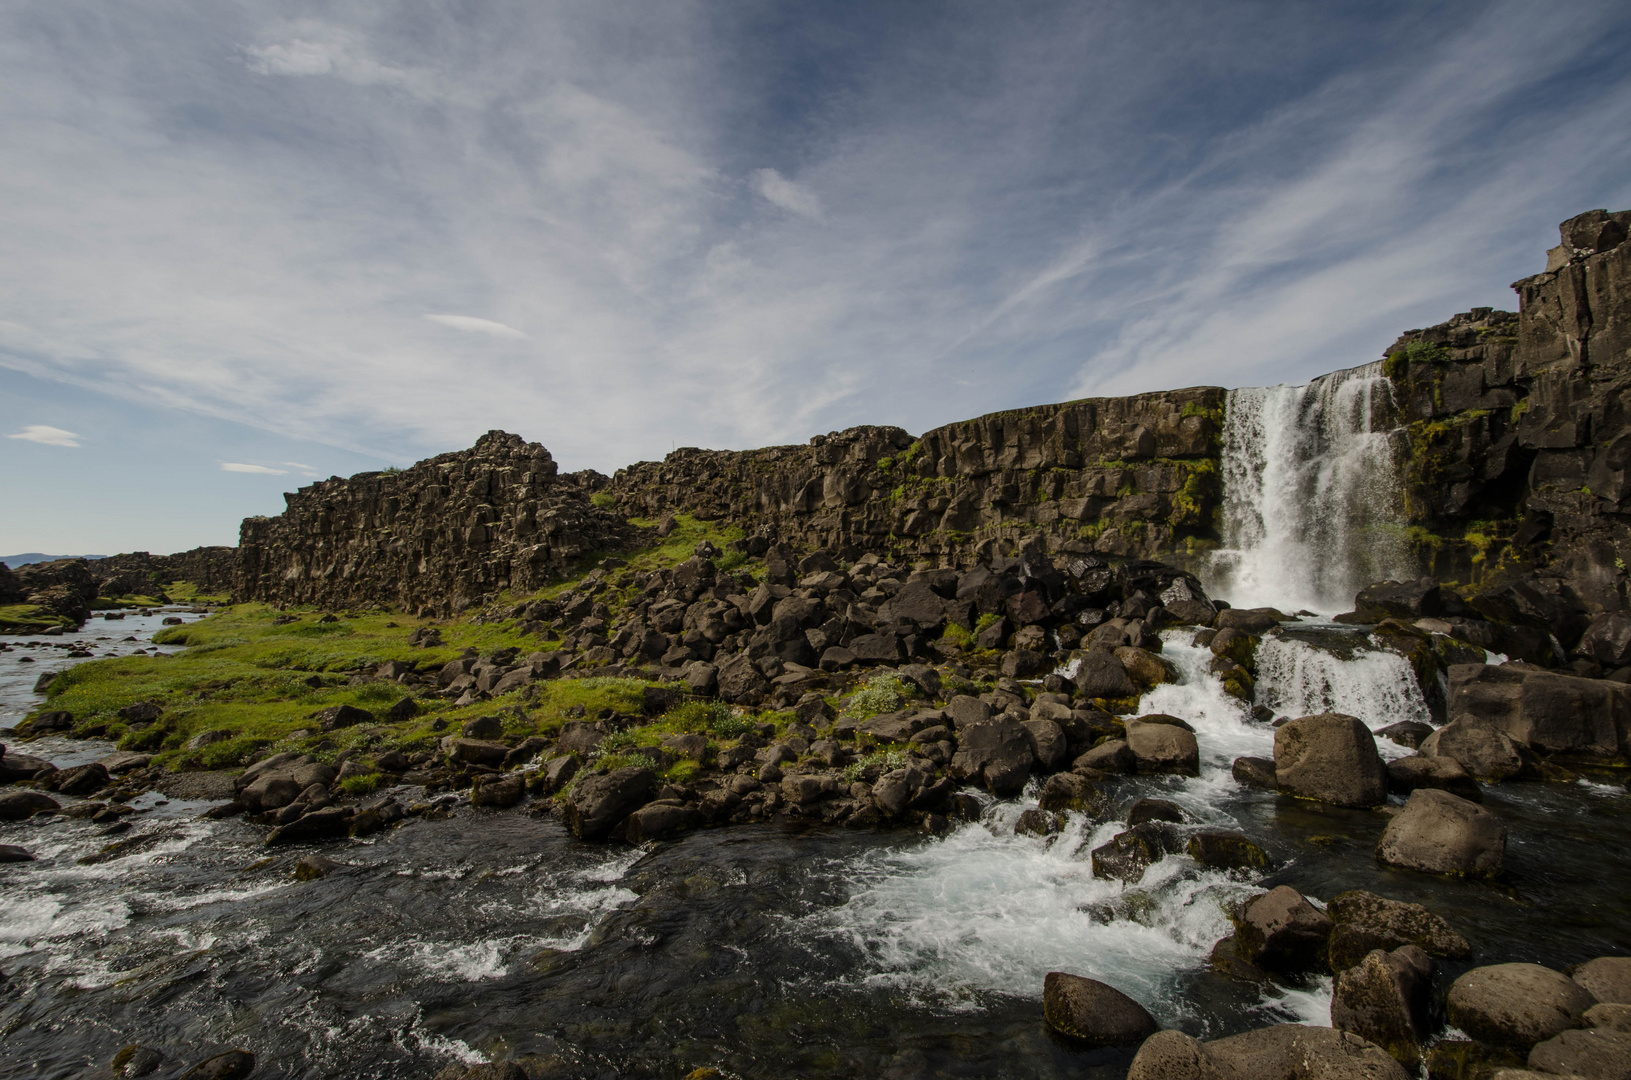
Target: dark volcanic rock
x=599, y=803
x=1094, y=1013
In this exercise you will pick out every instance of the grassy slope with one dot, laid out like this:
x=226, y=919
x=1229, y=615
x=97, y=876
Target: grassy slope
x=243, y=674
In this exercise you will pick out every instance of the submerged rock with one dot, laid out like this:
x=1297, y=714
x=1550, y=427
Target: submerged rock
x=1222, y=850
x=1094, y=1013
x=232, y=1065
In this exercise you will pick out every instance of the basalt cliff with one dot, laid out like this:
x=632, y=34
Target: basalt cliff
x=1515, y=464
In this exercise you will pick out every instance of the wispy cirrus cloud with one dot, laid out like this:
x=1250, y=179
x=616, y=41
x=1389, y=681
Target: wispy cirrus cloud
x=46, y=435
x=472, y=325
x=967, y=213
x=258, y=470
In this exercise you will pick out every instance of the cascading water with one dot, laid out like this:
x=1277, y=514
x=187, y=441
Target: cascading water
x=1312, y=502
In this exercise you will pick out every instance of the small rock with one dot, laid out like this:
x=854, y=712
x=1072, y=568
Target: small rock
x=1130, y=853
x=1037, y=823
x=136, y=1060
x=1163, y=748
x=659, y=822
x=232, y=1065
x=1444, y=773
x=1408, y=733
x=12, y=853
x=313, y=867
x=1072, y=791
x=21, y=805
x=1155, y=810
x=498, y=791
x=1111, y=756
x=1517, y=1005
x=1613, y=1016
x=1094, y=1013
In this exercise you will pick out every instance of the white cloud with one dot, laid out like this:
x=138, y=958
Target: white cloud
x=472, y=325
x=260, y=470
x=46, y=435
x=792, y=197
x=310, y=47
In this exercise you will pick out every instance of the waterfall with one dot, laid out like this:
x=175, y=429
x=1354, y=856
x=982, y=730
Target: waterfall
x=1312, y=502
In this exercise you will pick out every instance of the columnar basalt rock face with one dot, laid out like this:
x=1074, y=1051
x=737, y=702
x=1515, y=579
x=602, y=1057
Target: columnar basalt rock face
x=438, y=536
x=1132, y=476
x=1519, y=435
x=140, y=572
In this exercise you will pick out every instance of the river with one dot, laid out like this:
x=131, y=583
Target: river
x=763, y=951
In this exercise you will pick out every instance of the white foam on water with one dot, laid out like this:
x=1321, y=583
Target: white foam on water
x=1309, y=1005
x=29, y=922
x=1295, y=678
x=475, y=961
x=1224, y=728
x=982, y=909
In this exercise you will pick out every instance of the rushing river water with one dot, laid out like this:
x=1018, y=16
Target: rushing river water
x=766, y=952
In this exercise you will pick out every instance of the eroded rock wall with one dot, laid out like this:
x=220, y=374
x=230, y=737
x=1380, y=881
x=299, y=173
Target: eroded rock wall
x=438, y=537
x=1519, y=433
x=1120, y=476
x=140, y=572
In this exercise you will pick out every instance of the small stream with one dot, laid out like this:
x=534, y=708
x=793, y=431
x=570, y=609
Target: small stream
x=761, y=950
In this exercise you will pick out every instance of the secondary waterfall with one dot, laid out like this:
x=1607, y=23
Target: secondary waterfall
x=1312, y=502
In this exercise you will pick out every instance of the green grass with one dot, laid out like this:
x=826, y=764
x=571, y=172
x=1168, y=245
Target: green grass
x=186, y=591
x=26, y=617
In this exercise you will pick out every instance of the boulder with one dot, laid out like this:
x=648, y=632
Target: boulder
x=15, y=766
x=1516, y=1005
x=558, y=772
x=1405, y=775
x=1144, y=668
x=342, y=716
x=1155, y=810
x=1549, y=713
x=1329, y=758
x=1614, y=1017
x=964, y=710
x=271, y=791
x=1111, y=756
x=1281, y=931
x=1607, y=640
x=21, y=805
x=1036, y=822
x=1093, y=1013
x=1385, y=998
x=498, y=791
x=476, y=752
x=1363, y=922
x=1101, y=675
x=136, y=1060
x=1595, y=1054
x=1408, y=733
x=313, y=867
x=10, y=853
x=1251, y=620
x=1025, y=664
x=1163, y=748
x=1440, y=833
x=1295, y=1052
x=1048, y=743
x=79, y=780
x=600, y=802
x=1607, y=978
x=1128, y=854
x=1172, y=1055
x=1223, y=850
x=1255, y=772
x=324, y=824
x=1398, y=600
x=740, y=682
x=997, y=753
x=1072, y=791
x=1479, y=747
x=660, y=821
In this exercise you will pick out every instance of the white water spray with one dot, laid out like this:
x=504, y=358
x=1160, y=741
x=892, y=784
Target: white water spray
x=1312, y=505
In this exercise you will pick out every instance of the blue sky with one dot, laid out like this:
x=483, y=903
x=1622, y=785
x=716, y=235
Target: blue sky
x=250, y=244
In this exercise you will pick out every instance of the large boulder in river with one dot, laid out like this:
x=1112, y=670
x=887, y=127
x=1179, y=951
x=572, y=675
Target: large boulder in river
x=1406, y=774
x=1363, y=922
x=1281, y=931
x=1479, y=747
x=1282, y=1052
x=1597, y=1054
x=599, y=803
x=1329, y=758
x=1093, y=1013
x=1549, y=713
x=21, y=805
x=1516, y=1005
x=1161, y=747
x=1385, y=998
x=1441, y=833
x=997, y=753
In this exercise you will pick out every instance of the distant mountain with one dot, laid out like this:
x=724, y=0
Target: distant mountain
x=14, y=561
